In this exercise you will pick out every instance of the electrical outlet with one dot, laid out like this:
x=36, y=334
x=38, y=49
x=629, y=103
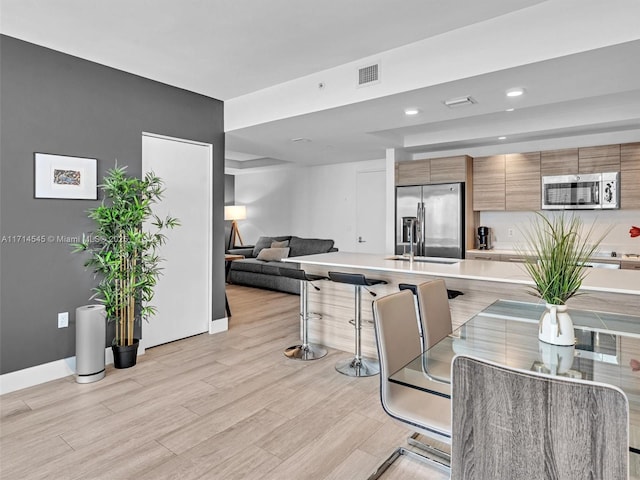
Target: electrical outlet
x=510, y=232
x=63, y=320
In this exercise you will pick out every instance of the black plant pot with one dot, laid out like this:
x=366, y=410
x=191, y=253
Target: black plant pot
x=125, y=356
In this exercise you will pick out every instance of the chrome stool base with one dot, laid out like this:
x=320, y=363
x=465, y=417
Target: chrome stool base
x=305, y=350
x=364, y=367
x=302, y=352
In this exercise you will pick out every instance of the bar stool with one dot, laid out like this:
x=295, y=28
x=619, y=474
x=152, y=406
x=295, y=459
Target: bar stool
x=304, y=351
x=357, y=366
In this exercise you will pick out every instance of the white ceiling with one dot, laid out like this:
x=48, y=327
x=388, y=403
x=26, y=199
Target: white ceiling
x=232, y=49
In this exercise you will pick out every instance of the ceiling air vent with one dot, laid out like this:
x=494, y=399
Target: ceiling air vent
x=369, y=75
x=459, y=102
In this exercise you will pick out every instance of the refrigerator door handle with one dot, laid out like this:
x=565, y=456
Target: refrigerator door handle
x=419, y=224
x=418, y=217
x=423, y=227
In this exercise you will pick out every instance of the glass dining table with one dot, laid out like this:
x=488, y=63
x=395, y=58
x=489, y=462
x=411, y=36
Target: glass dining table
x=607, y=350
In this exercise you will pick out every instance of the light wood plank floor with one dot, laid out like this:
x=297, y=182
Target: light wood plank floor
x=225, y=406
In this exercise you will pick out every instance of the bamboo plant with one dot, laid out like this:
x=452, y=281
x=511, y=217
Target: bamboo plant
x=123, y=254
x=556, y=251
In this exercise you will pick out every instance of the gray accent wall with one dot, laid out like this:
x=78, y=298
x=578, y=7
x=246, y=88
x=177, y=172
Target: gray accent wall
x=55, y=103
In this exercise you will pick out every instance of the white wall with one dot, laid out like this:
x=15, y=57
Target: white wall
x=616, y=223
x=317, y=201
x=271, y=200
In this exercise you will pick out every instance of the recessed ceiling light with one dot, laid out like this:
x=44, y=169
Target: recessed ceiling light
x=515, y=92
x=502, y=138
x=509, y=109
x=411, y=111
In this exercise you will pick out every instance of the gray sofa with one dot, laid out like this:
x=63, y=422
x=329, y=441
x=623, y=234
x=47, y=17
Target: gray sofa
x=253, y=272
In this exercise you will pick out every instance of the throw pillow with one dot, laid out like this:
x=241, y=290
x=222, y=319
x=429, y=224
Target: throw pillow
x=283, y=244
x=263, y=242
x=273, y=254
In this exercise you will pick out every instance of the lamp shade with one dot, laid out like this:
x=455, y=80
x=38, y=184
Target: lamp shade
x=235, y=212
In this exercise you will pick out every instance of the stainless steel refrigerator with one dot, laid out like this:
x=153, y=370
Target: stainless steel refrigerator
x=437, y=215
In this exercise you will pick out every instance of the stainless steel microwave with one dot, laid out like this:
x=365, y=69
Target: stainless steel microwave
x=588, y=191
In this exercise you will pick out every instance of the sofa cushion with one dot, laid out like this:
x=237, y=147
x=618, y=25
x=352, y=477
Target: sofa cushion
x=265, y=242
x=271, y=268
x=248, y=265
x=245, y=252
x=308, y=246
x=253, y=265
x=273, y=254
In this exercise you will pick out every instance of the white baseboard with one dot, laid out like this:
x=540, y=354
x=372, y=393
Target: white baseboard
x=28, y=377
x=219, y=325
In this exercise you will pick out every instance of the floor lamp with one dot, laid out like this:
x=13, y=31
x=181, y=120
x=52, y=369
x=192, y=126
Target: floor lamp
x=234, y=213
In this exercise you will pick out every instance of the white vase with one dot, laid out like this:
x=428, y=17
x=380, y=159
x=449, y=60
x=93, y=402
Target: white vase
x=556, y=326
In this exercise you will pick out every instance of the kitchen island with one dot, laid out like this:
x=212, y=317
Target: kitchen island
x=481, y=283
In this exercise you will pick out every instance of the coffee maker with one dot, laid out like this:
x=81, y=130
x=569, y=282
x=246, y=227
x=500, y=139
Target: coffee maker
x=484, y=238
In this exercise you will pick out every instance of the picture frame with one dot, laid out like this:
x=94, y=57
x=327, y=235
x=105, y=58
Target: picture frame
x=63, y=176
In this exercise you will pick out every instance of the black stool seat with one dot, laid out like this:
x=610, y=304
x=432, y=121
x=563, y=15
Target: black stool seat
x=354, y=279
x=357, y=366
x=305, y=350
x=301, y=275
x=408, y=286
x=414, y=289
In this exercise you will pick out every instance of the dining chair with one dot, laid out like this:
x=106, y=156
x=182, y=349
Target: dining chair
x=516, y=424
x=435, y=315
x=398, y=342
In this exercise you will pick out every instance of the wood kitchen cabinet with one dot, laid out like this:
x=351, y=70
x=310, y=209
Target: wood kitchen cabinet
x=603, y=158
x=434, y=170
x=449, y=169
x=559, y=162
x=572, y=161
x=489, y=256
x=630, y=176
x=630, y=265
x=522, y=181
x=489, y=183
x=413, y=172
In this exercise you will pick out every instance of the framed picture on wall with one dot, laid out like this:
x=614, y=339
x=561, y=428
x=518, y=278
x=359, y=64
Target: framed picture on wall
x=59, y=176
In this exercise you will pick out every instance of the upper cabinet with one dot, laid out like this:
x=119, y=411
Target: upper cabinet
x=630, y=175
x=449, y=169
x=572, y=161
x=559, y=162
x=522, y=187
x=604, y=158
x=489, y=183
x=434, y=170
x=414, y=172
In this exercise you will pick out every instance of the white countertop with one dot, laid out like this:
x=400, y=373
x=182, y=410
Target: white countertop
x=602, y=280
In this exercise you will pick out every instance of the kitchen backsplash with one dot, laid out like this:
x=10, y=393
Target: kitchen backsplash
x=507, y=228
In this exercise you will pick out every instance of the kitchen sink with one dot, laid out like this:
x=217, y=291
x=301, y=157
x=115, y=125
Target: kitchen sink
x=445, y=261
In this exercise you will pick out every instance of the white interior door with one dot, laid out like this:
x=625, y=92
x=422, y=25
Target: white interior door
x=370, y=211
x=183, y=293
